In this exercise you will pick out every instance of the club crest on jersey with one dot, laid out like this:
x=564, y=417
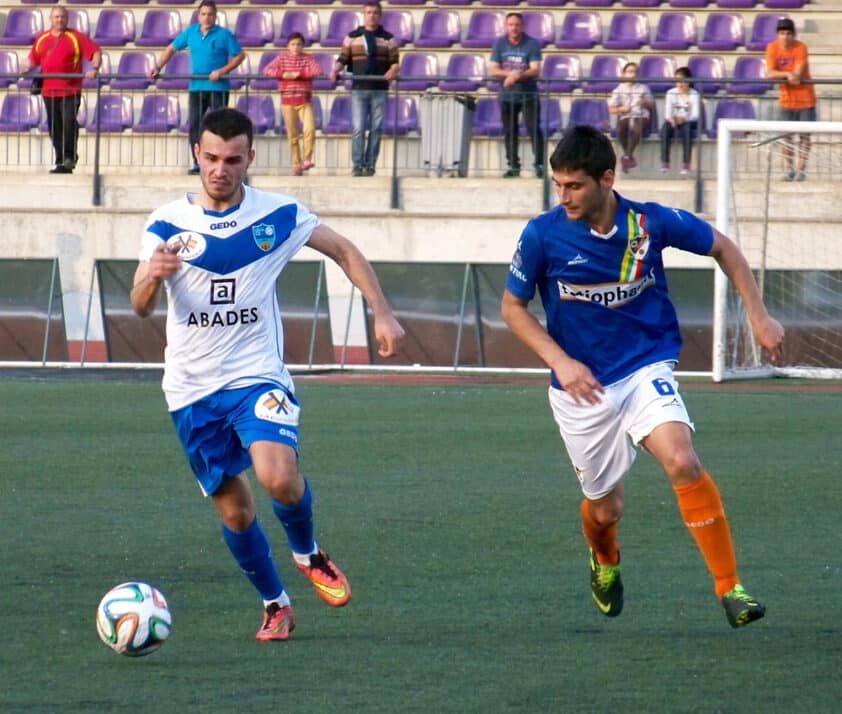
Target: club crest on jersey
x=189, y=244
x=277, y=407
x=264, y=236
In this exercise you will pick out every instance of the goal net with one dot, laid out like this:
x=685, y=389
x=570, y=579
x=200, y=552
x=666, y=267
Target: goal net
x=789, y=226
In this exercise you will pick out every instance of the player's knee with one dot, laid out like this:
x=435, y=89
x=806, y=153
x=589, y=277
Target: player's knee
x=607, y=513
x=284, y=485
x=236, y=517
x=683, y=466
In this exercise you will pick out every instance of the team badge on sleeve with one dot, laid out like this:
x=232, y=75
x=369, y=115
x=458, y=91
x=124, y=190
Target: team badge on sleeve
x=189, y=244
x=264, y=236
x=277, y=407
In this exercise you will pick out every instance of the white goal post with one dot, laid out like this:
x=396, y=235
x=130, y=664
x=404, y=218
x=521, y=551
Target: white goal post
x=789, y=226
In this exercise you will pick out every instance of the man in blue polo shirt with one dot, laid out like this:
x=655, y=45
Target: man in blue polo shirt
x=215, y=52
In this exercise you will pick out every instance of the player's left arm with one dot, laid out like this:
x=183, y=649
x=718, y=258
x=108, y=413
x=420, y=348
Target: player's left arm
x=768, y=331
x=387, y=330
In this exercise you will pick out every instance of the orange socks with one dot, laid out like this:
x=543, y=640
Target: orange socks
x=704, y=516
x=602, y=540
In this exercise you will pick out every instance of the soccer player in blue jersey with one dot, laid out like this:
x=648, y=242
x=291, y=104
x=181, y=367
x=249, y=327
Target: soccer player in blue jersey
x=218, y=254
x=611, y=342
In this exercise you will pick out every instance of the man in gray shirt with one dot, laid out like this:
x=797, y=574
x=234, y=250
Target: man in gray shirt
x=516, y=60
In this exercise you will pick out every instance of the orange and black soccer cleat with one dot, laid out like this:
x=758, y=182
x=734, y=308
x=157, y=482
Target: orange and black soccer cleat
x=330, y=584
x=278, y=623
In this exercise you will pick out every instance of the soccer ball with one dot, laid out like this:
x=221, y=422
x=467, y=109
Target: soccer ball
x=133, y=619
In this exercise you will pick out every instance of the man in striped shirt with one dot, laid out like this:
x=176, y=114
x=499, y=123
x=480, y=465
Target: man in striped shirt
x=296, y=70
x=368, y=50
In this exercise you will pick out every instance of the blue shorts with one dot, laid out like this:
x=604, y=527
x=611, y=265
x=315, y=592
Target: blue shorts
x=217, y=431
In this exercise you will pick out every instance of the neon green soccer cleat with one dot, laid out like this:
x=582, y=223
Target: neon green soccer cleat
x=606, y=587
x=741, y=608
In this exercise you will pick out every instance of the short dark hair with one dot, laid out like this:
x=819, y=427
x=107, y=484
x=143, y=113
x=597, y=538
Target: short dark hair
x=785, y=24
x=227, y=123
x=514, y=14
x=585, y=148
x=296, y=36
x=375, y=4
x=207, y=3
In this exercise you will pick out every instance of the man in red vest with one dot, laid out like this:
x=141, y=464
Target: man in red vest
x=61, y=51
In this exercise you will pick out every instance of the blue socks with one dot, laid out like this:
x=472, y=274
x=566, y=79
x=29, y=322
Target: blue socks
x=252, y=552
x=297, y=521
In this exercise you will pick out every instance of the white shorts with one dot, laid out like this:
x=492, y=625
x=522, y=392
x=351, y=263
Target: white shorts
x=601, y=439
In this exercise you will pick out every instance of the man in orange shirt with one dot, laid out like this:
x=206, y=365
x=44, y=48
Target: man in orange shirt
x=786, y=58
x=61, y=51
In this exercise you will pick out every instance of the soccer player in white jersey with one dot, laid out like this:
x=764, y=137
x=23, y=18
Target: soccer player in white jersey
x=611, y=342
x=218, y=254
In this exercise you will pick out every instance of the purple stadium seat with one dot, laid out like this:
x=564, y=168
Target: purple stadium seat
x=439, y=28
x=484, y=27
x=689, y=3
x=236, y=2
x=267, y=83
x=261, y=110
x=785, y=4
x=444, y=3
x=400, y=2
x=749, y=67
x=304, y=21
x=133, y=70
x=158, y=113
x=400, y=24
x=498, y=3
x=763, y=31
x=261, y=2
x=114, y=27
x=593, y=3
x=9, y=66
x=627, y=31
x=402, y=110
x=179, y=64
x=550, y=118
x=77, y=19
x=705, y=68
x=422, y=67
x=641, y=3
x=658, y=72
x=339, y=119
x=736, y=4
x=116, y=113
x=540, y=26
x=560, y=73
x=174, y=2
x=487, y=118
x=159, y=28
x=327, y=60
x=731, y=109
x=606, y=73
x=237, y=75
x=129, y=2
x=724, y=31
x=254, y=28
x=675, y=31
x=20, y=112
x=589, y=112
x=546, y=3
x=580, y=31
x=465, y=73
x=340, y=24
x=104, y=70
x=23, y=24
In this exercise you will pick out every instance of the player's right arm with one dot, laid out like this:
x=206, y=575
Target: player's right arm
x=575, y=377
x=148, y=278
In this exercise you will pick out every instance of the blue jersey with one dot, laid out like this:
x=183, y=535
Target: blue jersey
x=606, y=297
x=516, y=57
x=208, y=53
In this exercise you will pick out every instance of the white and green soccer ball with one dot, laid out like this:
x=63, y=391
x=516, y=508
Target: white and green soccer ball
x=133, y=619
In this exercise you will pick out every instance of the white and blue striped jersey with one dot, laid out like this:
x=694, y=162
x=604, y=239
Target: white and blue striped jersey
x=224, y=326
x=605, y=296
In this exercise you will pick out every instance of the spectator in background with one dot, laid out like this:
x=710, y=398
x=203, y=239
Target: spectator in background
x=368, y=50
x=630, y=101
x=215, y=52
x=786, y=58
x=61, y=51
x=516, y=59
x=296, y=70
x=681, y=118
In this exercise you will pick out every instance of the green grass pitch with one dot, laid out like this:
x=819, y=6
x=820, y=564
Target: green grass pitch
x=454, y=512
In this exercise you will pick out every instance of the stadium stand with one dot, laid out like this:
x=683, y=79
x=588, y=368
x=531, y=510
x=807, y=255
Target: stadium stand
x=749, y=67
x=439, y=28
x=261, y=109
x=158, y=113
x=627, y=31
x=115, y=27
x=661, y=66
x=254, y=28
x=339, y=119
x=307, y=22
x=580, y=31
x=401, y=24
x=723, y=31
x=541, y=26
x=20, y=113
x=675, y=31
x=133, y=70
x=23, y=24
x=340, y=24
x=589, y=112
x=484, y=27
x=159, y=28
x=116, y=113
x=731, y=109
x=421, y=71
x=561, y=73
x=465, y=73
